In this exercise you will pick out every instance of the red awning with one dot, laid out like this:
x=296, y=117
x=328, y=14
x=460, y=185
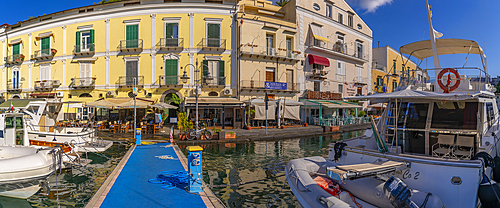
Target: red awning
x=319, y=60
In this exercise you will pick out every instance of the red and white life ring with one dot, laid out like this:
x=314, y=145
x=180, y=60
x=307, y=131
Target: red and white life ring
x=446, y=87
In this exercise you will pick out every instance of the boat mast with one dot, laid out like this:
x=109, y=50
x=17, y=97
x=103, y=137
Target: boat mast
x=433, y=39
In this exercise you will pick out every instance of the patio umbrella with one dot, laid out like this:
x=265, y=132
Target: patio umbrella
x=130, y=104
x=163, y=105
x=101, y=104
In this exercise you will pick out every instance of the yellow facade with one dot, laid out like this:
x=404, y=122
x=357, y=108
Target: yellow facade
x=104, y=69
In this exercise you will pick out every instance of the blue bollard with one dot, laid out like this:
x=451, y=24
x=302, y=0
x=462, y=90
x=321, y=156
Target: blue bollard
x=194, y=164
x=138, y=136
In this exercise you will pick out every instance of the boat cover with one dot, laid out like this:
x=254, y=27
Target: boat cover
x=423, y=49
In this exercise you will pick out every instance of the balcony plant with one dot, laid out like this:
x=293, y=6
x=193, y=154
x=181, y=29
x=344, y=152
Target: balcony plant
x=230, y=135
x=53, y=51
x=337, y=47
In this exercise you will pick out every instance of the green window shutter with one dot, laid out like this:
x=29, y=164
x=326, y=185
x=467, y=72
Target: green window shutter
x=78, y=42
x=92, y=34
x=46, y=44
x=132, y=33
x=205, y=68
x=222, y=81
x=15, y=49
x=170, y=30
x=214, y=31
x=171, y=71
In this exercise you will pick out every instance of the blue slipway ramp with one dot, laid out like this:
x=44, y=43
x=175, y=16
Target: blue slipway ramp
x=132, y=189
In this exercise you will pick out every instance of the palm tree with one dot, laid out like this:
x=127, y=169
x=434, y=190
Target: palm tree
x=282, y=3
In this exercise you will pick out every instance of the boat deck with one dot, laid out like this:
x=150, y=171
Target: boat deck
x=128, y=185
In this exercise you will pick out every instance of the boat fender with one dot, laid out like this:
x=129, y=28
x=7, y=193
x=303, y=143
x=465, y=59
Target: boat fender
x=338, y=147
x=496, y=169
x=488, y=193
x=487, y=159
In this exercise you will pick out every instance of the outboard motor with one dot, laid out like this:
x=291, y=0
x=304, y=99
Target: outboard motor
x=398, y=193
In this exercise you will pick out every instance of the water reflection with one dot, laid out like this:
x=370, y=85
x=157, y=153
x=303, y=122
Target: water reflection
x=245, y=162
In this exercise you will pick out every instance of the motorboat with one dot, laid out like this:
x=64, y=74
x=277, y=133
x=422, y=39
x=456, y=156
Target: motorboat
x=22, y=167
x=437, y=136
x=41, y=118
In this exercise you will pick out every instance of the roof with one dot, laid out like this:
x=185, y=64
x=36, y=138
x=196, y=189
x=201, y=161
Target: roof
x=332, y=103
x=423, y=49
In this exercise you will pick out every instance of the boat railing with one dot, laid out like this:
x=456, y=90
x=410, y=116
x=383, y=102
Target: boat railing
x=471, y=78
x=341, y=121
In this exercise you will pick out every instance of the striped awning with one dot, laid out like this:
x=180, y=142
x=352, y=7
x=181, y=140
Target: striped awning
x=319, y=33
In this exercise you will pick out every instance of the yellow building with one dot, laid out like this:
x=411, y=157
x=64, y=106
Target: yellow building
x=268, y=60
x=389, y=66
x=104, y=50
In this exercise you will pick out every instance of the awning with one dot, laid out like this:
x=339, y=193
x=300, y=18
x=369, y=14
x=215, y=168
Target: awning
x=319, y=33
x=332, y=104
x=423, y=49
x=215, y=102
x=101, y=104
x=313, y=59
x=17, y=103
x=163, y=105
x=132, y=104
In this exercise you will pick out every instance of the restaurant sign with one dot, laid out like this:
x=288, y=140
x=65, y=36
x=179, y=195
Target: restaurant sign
x=324, y=95
x=275, y=85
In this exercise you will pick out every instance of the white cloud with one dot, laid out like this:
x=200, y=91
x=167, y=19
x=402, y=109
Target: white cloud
x=369, y=5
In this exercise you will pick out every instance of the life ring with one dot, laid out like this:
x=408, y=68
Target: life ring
x=446, y=87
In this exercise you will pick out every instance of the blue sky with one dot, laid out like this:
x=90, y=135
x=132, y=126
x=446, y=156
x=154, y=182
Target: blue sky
x=394, y=22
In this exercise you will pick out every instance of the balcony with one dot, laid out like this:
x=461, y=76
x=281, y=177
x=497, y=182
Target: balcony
x=131, y=45
x=168, y=81
x=254, y=51
x=339, y=49
x=14, y=59
x=214, y=82
x=361, y=80
x=130, y=81
x=14, y=87
x=84, y=50
x=47, y=85
x=82, y=83
x=171, y=44
x=44, y=54
x=319, y=74
x=251, y=85
x=213, y=44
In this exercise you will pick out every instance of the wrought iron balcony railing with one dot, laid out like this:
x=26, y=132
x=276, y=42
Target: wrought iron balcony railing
x=268, y=52
x=131, y=45
x=130, y=81
x=82, y=82
x=14, y=86
x=214, y=81
x=44, y=54
x=164, y=81
x=171, y=44
x=216, y=44
x=47, y=84
x=14, y=59
x=84, y=49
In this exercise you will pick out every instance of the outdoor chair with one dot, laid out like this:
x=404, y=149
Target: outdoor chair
x=464, y=147
x=112, y=128
x=144, y=128
x=444, y=146
x=157, y=128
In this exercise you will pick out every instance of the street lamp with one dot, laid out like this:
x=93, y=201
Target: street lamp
x=185, y=78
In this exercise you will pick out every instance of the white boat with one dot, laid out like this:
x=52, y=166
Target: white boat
x=442, y=132
x=41, y=118
x=22, y=168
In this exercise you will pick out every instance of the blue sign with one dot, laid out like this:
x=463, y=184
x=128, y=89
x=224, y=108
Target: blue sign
x=275, y=85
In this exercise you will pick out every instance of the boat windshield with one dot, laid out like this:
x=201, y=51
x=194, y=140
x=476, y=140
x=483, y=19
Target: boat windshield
x=454, y=115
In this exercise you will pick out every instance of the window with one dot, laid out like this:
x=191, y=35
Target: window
x=359, y=91
x=132, y=36
x=16, y=78
x=270, y=77
x=340, y=68
x=16, y=49
x=340, y=19
x=84, y=41
x=85, y=73
x=45, y=72
x=360, y=27
x=318, y=66
x=213, y=35
x=350, y=20
x=359, y=49
x=213, y=72
x=317, y=86
x=316, y=7
x=490, y=114
x=454, y=115
x=45, y=46
x=339, y=45
x=270, y=44
x=131, y=72
x=379, y=81
x=289, y=79
x=329, y=11
x=289, y=47
x=171, y=71
x=394, y=85
x=341, y=88
x=360, y=74
x=172, y=34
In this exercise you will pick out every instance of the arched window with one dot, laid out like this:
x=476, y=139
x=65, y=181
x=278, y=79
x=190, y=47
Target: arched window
x=84, y=95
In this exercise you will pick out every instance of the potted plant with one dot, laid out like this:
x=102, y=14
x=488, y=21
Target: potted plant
x=305, y=124
x=230, y=135
x=183, y=124
x=53, y=51
x=216, y=133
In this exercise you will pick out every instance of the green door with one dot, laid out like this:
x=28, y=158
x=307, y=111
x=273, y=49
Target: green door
x=132, y=36
x=45, y=46
x=171, y=72
x=213, y=36
x=15, y=53
x=172, y=38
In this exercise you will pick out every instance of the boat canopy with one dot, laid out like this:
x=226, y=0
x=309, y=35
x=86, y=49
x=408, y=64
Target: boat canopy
x=408, y=93
x=423, y=49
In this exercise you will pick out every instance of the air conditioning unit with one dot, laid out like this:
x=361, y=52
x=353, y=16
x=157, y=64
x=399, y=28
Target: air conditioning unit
x=323, y=72
x=60, y=94
x=110, y=93
x=228, y=91
x=56, y=83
